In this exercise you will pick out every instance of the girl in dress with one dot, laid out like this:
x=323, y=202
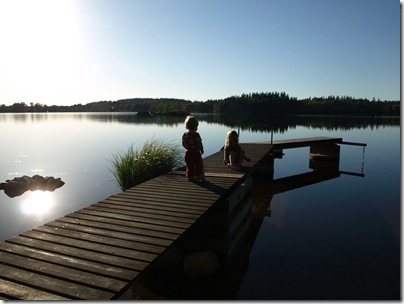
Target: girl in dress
x=192, y=142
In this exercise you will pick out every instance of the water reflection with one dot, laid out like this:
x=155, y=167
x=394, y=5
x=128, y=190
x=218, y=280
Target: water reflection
x=330, y=123
x=276, y=124
x=38, y=203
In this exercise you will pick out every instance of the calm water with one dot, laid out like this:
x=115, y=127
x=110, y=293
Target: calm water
x=337, y=239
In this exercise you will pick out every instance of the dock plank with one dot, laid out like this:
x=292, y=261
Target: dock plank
x=173, y=219
x=133, y=236
x=135, y=243
x=156, y=222
x=62, y=272
x=43, y=233
x=15, y=291
x=155, y=205
x=305, y=142
x=204, y=197
x=61, y=288
x=97, y=268
x=190, y=202
x=90, y=255
x=117, y=226
x=122, y=223
x=153, y=212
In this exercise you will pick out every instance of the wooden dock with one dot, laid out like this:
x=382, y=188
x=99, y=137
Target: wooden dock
x=96, y=253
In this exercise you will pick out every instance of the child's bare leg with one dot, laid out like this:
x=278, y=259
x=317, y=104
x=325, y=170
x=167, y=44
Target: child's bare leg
x=235, y=160
x=243, y=156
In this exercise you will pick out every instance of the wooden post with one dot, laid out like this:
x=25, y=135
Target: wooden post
x=325, y=152
x=324, y=157
x=224, y=226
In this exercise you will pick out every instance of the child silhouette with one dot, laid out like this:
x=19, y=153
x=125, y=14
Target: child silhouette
x=192, y=142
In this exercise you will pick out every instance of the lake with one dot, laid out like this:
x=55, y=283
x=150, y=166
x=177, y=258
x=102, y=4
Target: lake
x=335, y=239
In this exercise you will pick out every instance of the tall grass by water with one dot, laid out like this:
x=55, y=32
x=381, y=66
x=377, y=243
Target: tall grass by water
x=136, y=166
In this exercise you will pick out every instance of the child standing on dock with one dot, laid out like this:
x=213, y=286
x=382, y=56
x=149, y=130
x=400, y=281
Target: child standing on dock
x=233, y=154
x=192, y=142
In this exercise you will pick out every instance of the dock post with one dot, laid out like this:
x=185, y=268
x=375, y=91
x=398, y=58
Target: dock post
x=325, y=152
x=223, y=227
x=324, y=157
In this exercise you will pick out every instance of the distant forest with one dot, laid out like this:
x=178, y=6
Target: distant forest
x=246, y=105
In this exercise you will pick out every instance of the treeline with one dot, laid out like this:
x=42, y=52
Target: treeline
x=274, y=104
x=246, y=105
x=163, y=105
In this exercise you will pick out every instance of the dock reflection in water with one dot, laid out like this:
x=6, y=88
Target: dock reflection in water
x=211, y=261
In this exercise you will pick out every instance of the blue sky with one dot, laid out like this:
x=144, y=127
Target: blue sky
x=66, y=52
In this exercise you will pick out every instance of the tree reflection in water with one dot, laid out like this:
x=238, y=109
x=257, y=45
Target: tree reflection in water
x=275, y=123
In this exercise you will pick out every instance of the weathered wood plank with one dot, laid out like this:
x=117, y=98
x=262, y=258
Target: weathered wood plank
x=148, y=211
x=304, y=142
x=43, y=233
x=161, y=200
x=230, y=174
x=62, y=272
x=159, y=244
x=202, y=195
x=178, y=179
x=85, y=220
x=50, y=284
x=90, y=255
x=166, y=185
x=134, y=243
x=160, y=223
x=143, y=215
x=15, y=291
x=188, y=202
x=155, y=205
x=72, y=262
x=185, y=189
x=121, y=223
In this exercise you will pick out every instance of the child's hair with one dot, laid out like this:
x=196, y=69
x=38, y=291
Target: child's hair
x=230, y=135
x=191, y=123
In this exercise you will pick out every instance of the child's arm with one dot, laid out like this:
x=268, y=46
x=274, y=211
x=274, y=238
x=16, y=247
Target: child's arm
x=185, y=141
x=201, y=144
x=226, y=155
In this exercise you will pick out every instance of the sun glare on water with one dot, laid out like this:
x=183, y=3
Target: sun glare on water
x=38, y=203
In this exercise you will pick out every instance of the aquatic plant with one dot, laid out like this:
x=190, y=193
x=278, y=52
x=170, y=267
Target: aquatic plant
x=135, y=166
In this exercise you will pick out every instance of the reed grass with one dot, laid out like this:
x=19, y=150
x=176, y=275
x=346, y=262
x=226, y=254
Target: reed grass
x=136, y=166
